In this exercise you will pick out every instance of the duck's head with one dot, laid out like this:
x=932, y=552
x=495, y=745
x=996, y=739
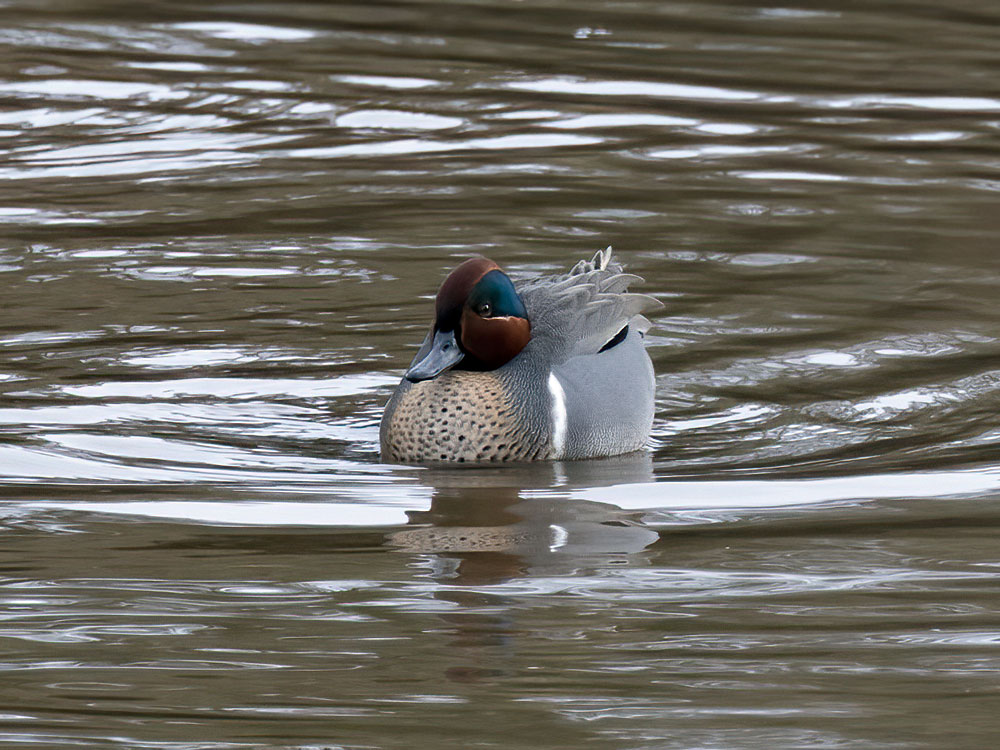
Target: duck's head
x=480, y=322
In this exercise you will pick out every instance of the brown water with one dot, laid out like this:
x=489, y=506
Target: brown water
x=220, y=228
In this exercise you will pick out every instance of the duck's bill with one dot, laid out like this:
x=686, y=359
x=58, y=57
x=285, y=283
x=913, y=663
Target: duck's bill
x=444, y=352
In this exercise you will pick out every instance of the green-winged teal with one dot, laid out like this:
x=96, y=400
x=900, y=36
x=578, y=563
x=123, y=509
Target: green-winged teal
x=540, y=369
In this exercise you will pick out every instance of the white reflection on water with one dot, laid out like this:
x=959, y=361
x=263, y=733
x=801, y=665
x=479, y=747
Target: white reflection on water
x=658, y=89
x=943, y=103
x=826, y=359
x=664, y=90
x=27, y=216
x=901, y=401
x=179, y=67
x=389, y=82
x=93, y=89
x=185, y=358
x=719, y=151
x=774, y=174
x=621, y=121
x=248, y=32
x=776, y=493
x=72, y=459
x=421, y=146
x=385, y=513
x=195, y=272
x=245, y=388
x=728, y=128
x=165, y=153
x=393, y=119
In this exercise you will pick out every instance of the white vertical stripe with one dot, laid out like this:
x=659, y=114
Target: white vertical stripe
x=559, y=537
x=558, y=416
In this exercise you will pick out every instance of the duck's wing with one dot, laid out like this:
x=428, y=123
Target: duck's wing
x=582, y=311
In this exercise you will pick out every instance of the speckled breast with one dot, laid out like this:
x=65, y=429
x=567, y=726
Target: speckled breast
x=458, y=416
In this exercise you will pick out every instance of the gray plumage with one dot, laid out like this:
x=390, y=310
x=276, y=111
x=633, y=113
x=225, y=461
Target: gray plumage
x=606, y=402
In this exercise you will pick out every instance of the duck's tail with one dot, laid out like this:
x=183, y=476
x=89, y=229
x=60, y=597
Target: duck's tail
x=602, y=261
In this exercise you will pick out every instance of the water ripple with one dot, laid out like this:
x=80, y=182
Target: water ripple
x=222, y=250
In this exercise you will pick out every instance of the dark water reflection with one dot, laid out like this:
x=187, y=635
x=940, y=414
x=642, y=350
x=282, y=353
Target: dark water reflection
x=219, y=231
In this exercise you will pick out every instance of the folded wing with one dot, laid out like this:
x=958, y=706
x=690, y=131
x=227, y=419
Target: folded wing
x=582, y=311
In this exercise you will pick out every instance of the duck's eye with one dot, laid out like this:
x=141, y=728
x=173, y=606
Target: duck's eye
x=485, y=310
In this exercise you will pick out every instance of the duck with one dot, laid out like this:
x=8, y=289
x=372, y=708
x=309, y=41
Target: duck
x=541, y=369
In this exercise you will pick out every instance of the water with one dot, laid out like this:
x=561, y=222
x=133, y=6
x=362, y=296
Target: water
x=220, y=230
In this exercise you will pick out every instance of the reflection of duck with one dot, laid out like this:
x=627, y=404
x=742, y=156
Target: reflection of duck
x=547, y=368
x=481, y=529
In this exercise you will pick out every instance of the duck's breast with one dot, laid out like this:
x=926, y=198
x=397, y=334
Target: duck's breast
x=458, y=417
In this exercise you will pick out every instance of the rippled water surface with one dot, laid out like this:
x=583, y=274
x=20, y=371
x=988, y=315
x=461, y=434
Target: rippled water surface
x=221, y=226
